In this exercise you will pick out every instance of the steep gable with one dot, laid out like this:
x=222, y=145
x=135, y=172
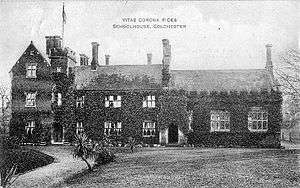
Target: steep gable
x=31, y=54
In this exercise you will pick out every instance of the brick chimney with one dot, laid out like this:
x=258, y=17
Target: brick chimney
x=269, y=64
x=166, y=52
x=166, y=63
x=149, y=59
x=107, y=59
x=94, y=62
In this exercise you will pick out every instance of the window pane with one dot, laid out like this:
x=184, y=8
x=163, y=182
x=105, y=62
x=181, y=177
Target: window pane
x=111, y=98
x=118, y=98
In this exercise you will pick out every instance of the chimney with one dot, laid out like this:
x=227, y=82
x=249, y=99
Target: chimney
x=269, y=64
x=149, y=59
x=166, y=63
x=94, y=62
x=166, y=52
x=53, y=44
x=107, y=59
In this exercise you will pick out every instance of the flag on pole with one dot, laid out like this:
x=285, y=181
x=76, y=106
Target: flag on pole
x=64, y=15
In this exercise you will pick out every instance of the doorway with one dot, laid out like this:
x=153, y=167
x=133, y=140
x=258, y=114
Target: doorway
x=173, y=133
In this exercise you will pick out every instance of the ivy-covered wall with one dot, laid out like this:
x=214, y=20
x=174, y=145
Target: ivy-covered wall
x=238, y=105
x=131, y=113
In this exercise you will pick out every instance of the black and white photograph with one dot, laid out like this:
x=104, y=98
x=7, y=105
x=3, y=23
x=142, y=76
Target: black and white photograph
x=133, y=93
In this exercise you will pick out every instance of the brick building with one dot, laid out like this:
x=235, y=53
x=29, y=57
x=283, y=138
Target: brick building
x=149, y=101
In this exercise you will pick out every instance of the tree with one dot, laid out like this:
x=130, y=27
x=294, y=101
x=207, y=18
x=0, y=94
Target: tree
x=83, y=149
x=288, y=76
x=5, y=107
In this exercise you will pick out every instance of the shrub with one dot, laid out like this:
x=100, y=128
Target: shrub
x=104, y=156
x=83, y=149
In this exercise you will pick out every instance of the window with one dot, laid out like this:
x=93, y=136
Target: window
x=257, y=119
x=219, y=121
x=149, y=101
x=111, y=128
x=30, y=99
x=31, y=71
x=58, y=69
x=59, y=99
x=29, y=127
x=79, y=127
x=148, y=129
x=113, y=101
x=80, y=102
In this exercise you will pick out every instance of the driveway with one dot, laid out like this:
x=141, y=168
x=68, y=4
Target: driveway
x=196, y=167
x=63, y=167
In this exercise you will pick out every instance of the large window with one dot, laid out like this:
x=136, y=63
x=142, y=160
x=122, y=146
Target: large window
x=30, y=99
x=79, y=127
x=149, y=101
x=80, y=102
x=112, y=128
x=31, y=71
x=113, y=101
x=30, y=125
x=148, y=129
x=219, y=121
x=257, y=119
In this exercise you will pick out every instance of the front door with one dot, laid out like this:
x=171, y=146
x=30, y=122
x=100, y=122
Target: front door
x=57, y=132
x=173, y=133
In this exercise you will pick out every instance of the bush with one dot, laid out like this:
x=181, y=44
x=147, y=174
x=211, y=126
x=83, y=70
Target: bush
x=104, y=156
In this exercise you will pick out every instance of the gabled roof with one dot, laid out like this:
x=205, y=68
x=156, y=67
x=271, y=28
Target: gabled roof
x=41, y=52
x=221, y=80
x=119, y=77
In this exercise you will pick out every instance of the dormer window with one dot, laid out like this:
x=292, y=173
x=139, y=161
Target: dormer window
x=149, y=101
x=30, y=99
x=31, y=71
x=113, y=101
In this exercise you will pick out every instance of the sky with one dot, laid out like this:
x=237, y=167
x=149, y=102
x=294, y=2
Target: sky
x=218, y=35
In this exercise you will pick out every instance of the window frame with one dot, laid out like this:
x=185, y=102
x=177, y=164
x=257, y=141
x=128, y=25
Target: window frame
x=149, y=126
x=32, y=98
x=30, y=126
x=113, y=101
x=149, y=101
x=30, y=71
x=79, y=128
x=112, y=128
x=219, y=121
x=261, y=119
x=80, y=101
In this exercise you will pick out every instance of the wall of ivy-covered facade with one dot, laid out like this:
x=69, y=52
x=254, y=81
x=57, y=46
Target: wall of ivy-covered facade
x=238, y=105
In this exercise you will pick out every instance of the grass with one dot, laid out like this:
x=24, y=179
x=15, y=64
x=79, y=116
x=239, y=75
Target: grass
x=190, y=167
x=26, y=159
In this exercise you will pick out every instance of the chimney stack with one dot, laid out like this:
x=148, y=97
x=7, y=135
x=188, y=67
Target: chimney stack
x=107, y=59
x=94, y=62
x=166, y=52
x=149, y=59
x=269, y=64
x=166, y=63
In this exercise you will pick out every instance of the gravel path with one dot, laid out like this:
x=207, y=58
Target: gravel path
x=63, y=167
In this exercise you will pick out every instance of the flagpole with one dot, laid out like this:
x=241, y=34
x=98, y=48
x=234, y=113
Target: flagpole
x=63, y=25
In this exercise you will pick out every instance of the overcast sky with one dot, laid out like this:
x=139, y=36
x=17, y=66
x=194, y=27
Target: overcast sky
x=218, y=35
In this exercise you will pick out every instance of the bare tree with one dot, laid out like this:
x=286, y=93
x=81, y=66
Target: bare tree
x=5, y=107
x=287, y=73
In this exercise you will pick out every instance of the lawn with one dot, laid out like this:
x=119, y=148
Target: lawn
x=195, y=167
